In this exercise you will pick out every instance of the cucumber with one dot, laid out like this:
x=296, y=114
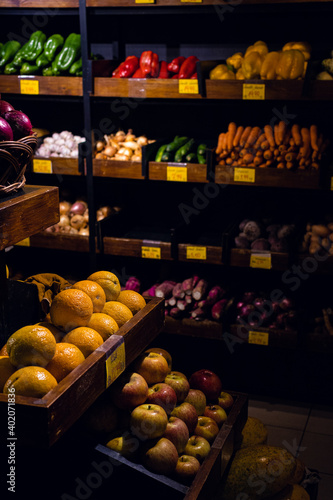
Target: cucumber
x=160, y=152
x=176, y=143
x=184, y=150
x=191, y=158
x=201, y=154
x=167, y=156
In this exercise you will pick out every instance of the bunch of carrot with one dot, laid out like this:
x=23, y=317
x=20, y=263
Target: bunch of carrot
x=279, y=145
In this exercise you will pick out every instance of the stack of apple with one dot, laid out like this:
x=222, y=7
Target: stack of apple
x=165, y=420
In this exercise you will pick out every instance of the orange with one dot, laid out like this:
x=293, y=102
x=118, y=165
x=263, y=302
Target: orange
x=6, y=370
x=33, y=381
x=70, y=309
x=58, y=334
x=118, y=312
x=3, y=350
x=133, y=300
x=109, y=282
x=103, y=324
x=66, y=358
x=95, y=292
x=31, y=345
x=86, y=339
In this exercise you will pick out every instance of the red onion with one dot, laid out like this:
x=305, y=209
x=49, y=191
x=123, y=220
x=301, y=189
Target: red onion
x=286, y=304
x=6, y=133
x=78, y=208
x=20, y=123
x=246, y=310
x=4, y=107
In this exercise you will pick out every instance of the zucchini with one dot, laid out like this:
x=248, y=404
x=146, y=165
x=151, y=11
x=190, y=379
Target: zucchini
x=184, y=150
x=160, y=152
x=176, y=143
x=191, y=158
x=167, y=156
x=201, y=154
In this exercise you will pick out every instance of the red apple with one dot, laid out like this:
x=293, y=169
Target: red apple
x=126, y=444
x=216, y=413
x=198, y=447
x=159, y=456
x=207, y=428
x=197, y=399
x=164, y=353
x=208, y=382
x=177, y=432
x=148, y=421
x=152, y=366
x=178, y=381
x=225, y=400
x=162, y=394
x=187, y=468
x=187, y=413
x=129, y=390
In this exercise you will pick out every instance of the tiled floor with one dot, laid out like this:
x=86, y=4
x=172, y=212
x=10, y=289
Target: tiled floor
x=306, y=431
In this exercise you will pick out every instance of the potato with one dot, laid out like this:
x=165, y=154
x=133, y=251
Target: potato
x=320, y=230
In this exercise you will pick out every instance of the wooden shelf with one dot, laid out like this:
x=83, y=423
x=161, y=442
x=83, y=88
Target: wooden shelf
x=117, y=169
x=41, y=422
x=56, y=241
x=275, y=338
x=56, y=165
x=205, y=328
x=131, y=3
x=32, y=209
x=190, y=172
x=270, y=177
x=320, y=90
x=47, y=85
x=273, y=89
x=140, y=88
x=213, y=253
x=131, y=247
x=242, y=258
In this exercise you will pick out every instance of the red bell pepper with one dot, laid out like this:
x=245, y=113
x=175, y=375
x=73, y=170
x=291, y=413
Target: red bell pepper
x=145, y=62
x=188, y=67
x=164, y=73
x=194, y=76
x=127, y=68
x=138, y=74
x=175, y=64
x=154, y=68
x=176, y=76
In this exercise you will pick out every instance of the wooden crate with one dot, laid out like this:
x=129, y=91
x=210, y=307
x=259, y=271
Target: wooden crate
x=41, y=422
x=211, y=470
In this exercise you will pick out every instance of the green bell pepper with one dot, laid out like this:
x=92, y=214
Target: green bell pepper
x=52, y=46
x=69, y=53
x=42, y=61
x=11, y=69
x=76, y=68
x=28, y=69
x=8, y=51
x=48, y=71
x=18, y=58
x=34, y=46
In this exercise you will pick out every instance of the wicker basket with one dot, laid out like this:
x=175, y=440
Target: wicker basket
x=15, y=156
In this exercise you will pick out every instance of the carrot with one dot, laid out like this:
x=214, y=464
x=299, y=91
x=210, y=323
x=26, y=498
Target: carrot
x=238, y=135
x=265, y=144
x=269, y=135
x=225, y=141
x=260, y=140
x=281, y=164
x=243, y=152
x=234, y=163
x=219, y=147
x=305, y=134
x=315, y=165
x=290, y=156
x=314, y=137
x=222, y=162
x=282, y=148
x=287, y=137
x=234, y=155
x=229, y=161
x=296, y=134
x=268, y=155
x=262, y=165
x=269, y=163
x=276, y=152
x=232, y=128
x=276, y=134
x=257, y=160
x=253, y=136
x=290, y=165
x=244, y=136
x=282, y=128
x=248, y=158
x=292, y=142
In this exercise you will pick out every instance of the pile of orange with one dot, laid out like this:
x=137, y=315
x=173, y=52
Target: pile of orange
x=37, y=357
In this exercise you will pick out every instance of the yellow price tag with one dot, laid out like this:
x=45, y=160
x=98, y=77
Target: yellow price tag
x=29, y=86
x=191, y=1
x=42, y=166
x=260, y=338
x=115, y=364
x=261, y=261
x=144, y=1
x=23, y=243
x=150, y=252
x=188, y=86
x=254, y=91
x=244, y=174
x=178, y=174
x=199, y=253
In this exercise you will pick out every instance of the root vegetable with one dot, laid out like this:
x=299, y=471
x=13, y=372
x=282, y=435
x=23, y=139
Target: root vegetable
x=175, y=313
x=164, y=290
x=64, y=207
x=178, y=291
x=64, y=220
x=242, y=242
x=260, y=244
x=198, y=313
x=200, y=289
x=232, y=128
x=133, y=283
x=151, y=291
x=244, y=136
x=77, y=221
x=218, y=309
x=269, y=135
x=78, y=208
x=189, y=284
x=320, y=230
x=252, y=230
x=238, y=135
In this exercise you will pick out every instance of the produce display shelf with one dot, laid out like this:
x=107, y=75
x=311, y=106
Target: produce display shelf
x=56, y=165
x=265, y=337
x=268, y=177
x=182, y=172
x=57, y=241
x=276, y=261
x=31, y=209
x=133, y=247
x=118, y=169
x=132, y=3
x=263, y=89
x=141, y=88
x=211, y=470
x=319, y=342
x=41, y=422
x=210, y=254
x=205, y=328
x=320, y=90
x=42, y=85
x=40, y=3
